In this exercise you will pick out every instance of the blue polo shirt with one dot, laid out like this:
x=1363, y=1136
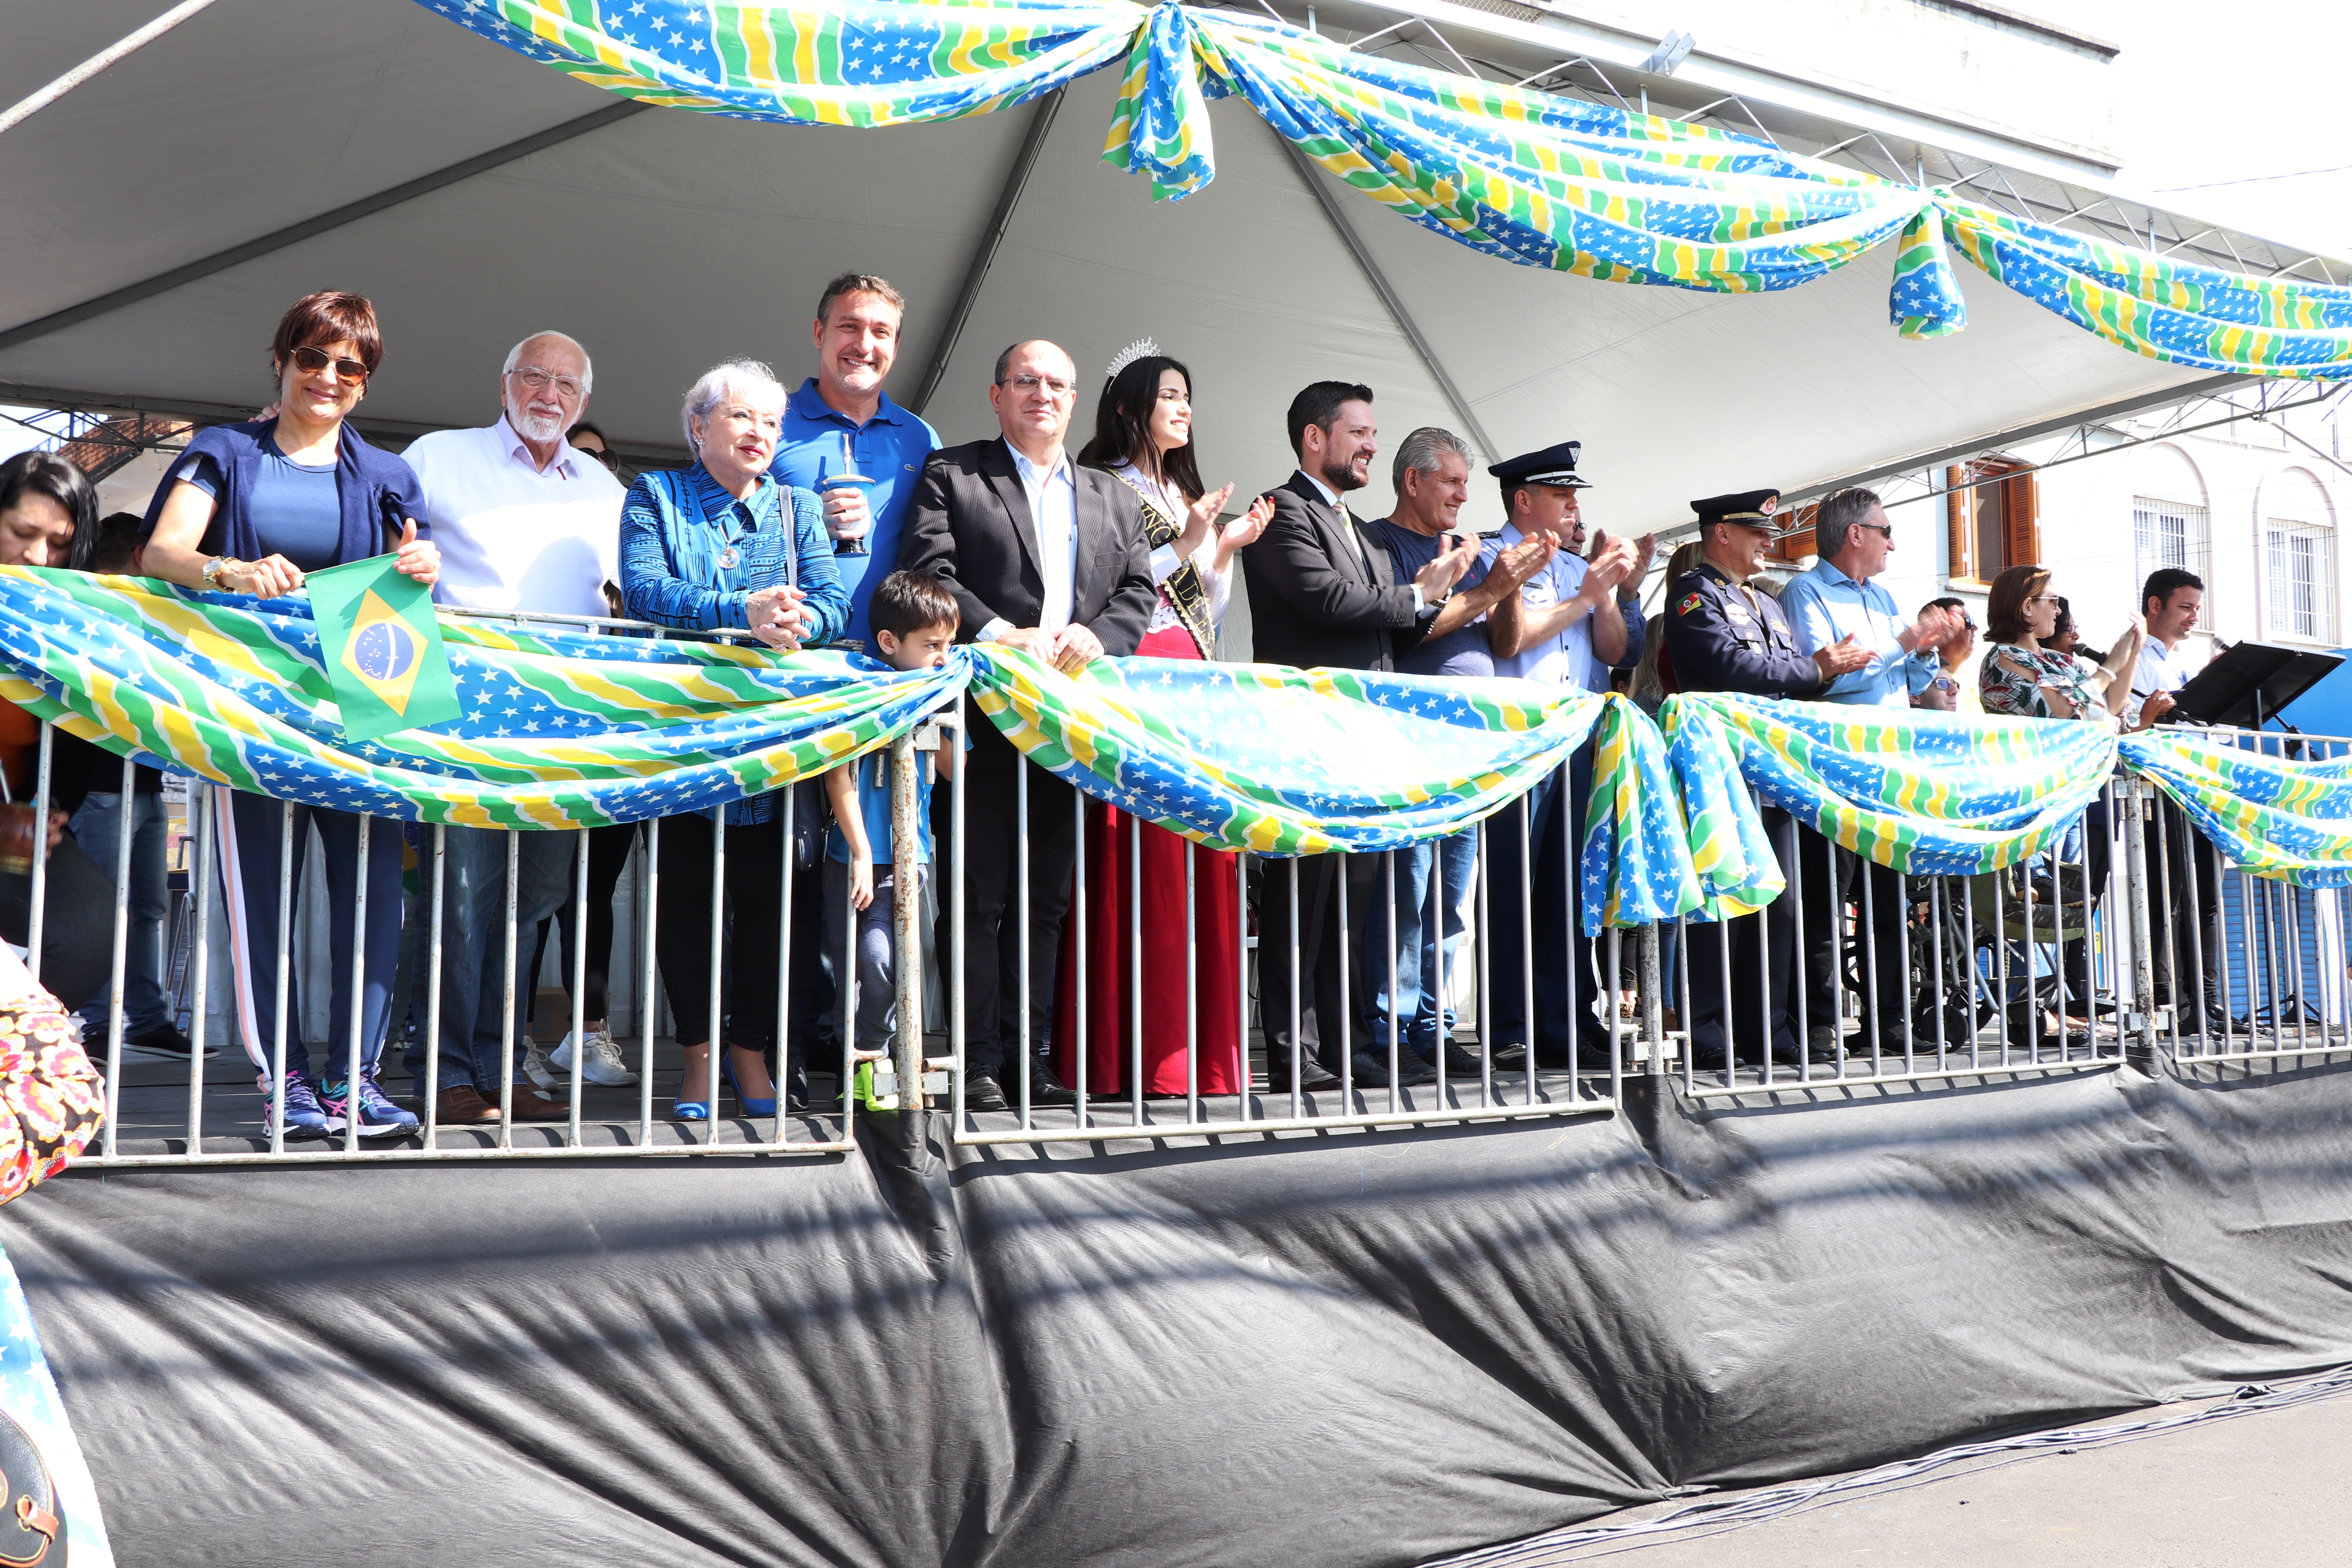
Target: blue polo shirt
x=889, y=449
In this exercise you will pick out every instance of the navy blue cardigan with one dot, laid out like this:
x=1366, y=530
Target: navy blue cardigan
x=378, y=491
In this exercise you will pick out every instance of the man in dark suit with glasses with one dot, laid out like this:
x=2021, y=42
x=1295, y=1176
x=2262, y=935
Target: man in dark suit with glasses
x=1048, y=557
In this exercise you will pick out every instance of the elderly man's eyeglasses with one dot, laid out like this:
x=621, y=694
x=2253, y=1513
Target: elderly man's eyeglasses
x=1025, y=385
x=537, y=380
x=312, y=360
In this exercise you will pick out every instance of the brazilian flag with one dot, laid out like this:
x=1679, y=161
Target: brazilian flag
x=382, y=648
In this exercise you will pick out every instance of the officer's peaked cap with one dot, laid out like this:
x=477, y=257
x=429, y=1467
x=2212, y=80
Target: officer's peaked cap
x=1754, y=508
x=1552, y=466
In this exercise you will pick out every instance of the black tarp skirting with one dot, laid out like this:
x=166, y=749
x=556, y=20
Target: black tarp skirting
x=1348, y=1348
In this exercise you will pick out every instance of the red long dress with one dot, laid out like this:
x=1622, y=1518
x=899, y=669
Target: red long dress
x=1111, y=885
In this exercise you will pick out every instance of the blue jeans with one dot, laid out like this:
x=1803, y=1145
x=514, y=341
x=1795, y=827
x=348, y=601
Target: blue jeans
x=1417, y=999
x=474, y=946
x=98, y=829
x=251, y=836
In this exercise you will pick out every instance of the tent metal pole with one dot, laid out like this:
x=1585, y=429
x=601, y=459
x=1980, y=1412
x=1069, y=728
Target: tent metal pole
x=366, y=206
x=983, y=254
x=123, y=48
x=1380, y=282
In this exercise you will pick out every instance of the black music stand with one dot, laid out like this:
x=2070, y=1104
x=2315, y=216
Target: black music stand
x=2249, y=683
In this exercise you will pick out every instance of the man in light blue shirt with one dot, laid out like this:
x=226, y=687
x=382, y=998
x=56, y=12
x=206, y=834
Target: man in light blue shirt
x=857, y=333
x=1836, y=603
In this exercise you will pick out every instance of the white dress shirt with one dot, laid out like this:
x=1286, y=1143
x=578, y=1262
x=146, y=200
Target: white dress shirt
x=1355, y=535
x=2160, y=669
x=1054, y=511
x=513, y=536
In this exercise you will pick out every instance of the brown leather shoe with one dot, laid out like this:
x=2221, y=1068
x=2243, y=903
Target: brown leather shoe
x=529, y=1105
x=460, y=1105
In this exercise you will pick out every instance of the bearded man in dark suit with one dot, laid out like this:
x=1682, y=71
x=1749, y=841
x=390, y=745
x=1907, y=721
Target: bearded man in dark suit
x=1048, y=557
x=1322, y=594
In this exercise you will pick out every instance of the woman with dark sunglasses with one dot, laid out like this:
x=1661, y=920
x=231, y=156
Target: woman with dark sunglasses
x=250, y=509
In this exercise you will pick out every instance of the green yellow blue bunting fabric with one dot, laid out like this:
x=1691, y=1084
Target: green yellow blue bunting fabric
x=560, y=729
x=1289, y=762
x=2287, y=820
x=1928, y=794
x=567, y=729
x=1528, y=177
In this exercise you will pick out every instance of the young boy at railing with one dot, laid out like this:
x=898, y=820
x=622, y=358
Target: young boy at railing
x=914, y=620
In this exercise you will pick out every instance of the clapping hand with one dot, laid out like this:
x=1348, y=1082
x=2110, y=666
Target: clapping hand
x=1937, y=625
x=1524, y=560
x=1200, y=522
x=1437, y=579
x=1841, y=658
x=1243, y=530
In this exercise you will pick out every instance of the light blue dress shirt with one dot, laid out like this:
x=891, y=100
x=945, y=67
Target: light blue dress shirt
x=1825, y=607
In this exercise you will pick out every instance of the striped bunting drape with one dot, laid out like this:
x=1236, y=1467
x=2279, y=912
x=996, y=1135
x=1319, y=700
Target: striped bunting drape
x=1530, y=178
x=565, y=730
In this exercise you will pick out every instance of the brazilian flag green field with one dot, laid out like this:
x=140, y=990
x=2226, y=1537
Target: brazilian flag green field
x=382, y=648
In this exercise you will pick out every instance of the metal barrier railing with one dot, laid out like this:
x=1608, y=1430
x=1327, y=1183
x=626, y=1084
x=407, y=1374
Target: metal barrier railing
x=1457, y=975
x=2245, y=968
x=220, y=1122
x=1890, y=978
x=1377, y=1077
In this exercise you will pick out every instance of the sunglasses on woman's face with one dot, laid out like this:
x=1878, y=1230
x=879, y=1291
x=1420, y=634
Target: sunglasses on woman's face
x=314, y=360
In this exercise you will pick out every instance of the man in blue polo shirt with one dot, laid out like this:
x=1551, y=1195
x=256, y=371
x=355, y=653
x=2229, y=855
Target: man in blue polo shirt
x=841, y=421
x=1835, y=602
x=857, y=336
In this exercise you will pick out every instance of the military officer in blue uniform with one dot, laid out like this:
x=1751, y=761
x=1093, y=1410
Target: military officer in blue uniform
x=1723, y=636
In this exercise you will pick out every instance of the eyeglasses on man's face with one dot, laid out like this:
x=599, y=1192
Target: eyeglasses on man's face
x=312, y=360
x=1054, y=386
x=537, y=380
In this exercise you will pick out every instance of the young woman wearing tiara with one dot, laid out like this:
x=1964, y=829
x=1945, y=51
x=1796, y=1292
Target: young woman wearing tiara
x=1143, y=437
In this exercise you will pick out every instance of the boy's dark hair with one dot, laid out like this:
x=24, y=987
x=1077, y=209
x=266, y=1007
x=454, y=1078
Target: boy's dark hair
x=118, y=541
x=906, y=601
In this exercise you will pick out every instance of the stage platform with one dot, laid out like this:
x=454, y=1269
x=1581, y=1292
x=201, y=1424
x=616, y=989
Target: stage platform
x=1362, y=1347
x=154, y=1104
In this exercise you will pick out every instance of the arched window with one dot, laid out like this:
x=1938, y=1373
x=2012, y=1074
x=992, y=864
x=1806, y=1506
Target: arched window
x=2170, y=526
x=2298, y=533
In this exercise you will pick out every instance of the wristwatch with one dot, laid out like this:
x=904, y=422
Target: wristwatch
x=217, y=569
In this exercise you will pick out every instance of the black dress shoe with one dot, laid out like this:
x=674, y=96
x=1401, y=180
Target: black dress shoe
x=1373, y=1071
x=981, y=1092
x=1312, y=1075
x=1045, y=1088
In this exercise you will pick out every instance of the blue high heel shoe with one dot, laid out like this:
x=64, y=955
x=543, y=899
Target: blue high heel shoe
x=688, y=1111
x=750, y=1107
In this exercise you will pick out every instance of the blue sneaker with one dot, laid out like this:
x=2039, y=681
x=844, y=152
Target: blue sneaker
x=305, y=1117
x=379, y=1116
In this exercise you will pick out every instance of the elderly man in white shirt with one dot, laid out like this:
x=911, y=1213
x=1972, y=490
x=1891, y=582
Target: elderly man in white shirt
x=527, y=524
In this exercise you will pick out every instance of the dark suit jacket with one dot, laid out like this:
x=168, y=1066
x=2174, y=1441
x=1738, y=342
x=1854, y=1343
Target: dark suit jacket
x=970, y=523
x=1313, y=600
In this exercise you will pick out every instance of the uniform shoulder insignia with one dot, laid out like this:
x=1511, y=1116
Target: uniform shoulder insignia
x=1689, y=602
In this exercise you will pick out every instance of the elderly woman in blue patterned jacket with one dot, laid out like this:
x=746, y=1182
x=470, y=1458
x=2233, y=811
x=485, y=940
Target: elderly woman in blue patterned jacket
x=722, y=545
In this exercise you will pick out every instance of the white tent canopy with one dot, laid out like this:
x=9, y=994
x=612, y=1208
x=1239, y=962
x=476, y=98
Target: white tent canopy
x=668, y=241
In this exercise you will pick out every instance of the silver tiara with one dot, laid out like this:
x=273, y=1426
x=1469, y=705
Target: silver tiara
x=1129, y=355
